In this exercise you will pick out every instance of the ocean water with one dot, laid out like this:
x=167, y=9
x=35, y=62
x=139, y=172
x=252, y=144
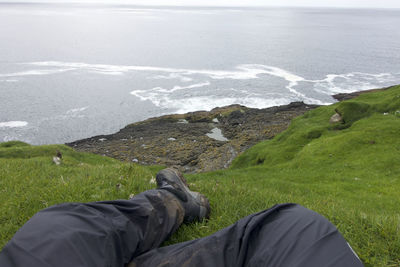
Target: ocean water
x=73, y=71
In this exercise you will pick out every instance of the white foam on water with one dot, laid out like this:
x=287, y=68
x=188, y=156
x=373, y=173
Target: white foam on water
x=177, y=87
x=13, y=124
x=105, y=68
x=354, y=81
x=35, y=72
x=185, y=105
x=191, y=98
x=76, y=110
x=107, y=72
x=72, y=113
x=161, y=96
x=293, y=79
x=241, y=72
x=171, y=76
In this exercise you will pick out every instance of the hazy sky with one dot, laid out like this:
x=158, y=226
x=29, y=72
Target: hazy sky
x=332, y=3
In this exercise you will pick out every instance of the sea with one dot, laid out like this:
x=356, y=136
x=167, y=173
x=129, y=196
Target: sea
x=72, y=71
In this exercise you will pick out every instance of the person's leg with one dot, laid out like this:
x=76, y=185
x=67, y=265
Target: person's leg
x=94, y=234
x=285, y=235
x=108, y=233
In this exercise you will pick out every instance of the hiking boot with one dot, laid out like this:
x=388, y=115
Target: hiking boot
x=196, y=205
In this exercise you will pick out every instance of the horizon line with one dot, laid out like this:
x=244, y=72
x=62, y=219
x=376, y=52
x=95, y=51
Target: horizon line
x=193, y=6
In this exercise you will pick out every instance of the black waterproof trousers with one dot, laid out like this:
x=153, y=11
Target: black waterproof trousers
x=121, y=232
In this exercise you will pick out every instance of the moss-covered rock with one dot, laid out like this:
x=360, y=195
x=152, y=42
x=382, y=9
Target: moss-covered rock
x=351, y=112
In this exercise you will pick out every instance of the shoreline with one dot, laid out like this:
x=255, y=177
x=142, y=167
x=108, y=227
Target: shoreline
x=197, y=141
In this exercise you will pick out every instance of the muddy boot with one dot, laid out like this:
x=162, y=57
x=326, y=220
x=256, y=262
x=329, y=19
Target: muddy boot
x=196, y=205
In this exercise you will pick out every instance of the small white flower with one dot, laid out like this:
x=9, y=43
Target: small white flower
x=57, y=160
x=152, y=180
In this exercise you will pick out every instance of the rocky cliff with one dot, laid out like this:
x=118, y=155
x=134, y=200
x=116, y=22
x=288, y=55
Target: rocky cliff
x=196, y=141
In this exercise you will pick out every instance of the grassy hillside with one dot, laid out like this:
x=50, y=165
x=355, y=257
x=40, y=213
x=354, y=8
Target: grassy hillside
x=348, y=172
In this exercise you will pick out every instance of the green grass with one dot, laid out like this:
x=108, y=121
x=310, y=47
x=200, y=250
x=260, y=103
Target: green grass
x=348, y=172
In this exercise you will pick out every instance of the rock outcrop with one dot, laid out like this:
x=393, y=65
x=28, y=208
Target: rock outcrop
x=199, y=141
x=196, y=141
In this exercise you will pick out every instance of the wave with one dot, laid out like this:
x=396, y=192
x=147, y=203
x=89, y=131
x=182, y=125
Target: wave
x=171, y=76
x=76, y=110
x=188, y=97
x=189, y=104
x=354, y=81
x=242, y=72
x=13, y=124
x=141, y=93
x=34, y=72
x=208, y=103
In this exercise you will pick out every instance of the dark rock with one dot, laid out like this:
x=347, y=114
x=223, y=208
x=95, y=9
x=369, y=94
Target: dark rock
x=150, y=141
x=348, y=96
